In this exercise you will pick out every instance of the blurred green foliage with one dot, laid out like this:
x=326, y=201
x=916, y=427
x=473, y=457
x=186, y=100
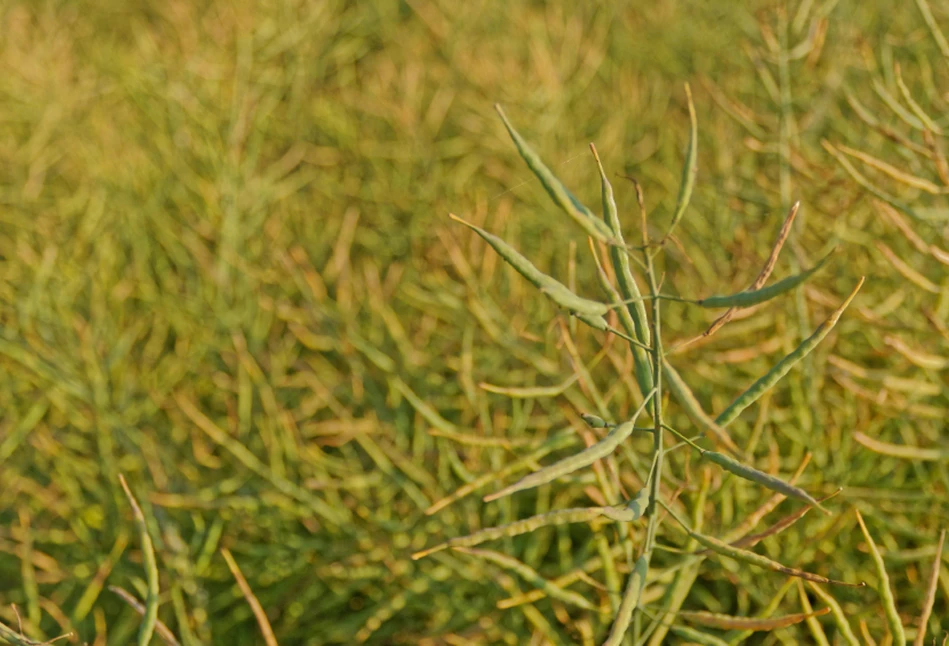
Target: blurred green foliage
x=227, y=273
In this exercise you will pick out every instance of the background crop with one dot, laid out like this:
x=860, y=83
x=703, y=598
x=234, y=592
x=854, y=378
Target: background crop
x=227, y=272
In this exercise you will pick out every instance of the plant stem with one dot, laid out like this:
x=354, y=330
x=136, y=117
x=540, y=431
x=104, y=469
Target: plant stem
x=653, y=525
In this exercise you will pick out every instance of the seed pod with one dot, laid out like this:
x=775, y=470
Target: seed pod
x=755, y=296
x=526, y=525
x=530, y=575
x=727, y=622
x=784, y=366
x=579, y=460
x=764, y=479
x=631, y=596
x=636, y=308
x=840, y=617
x=753, y=558
x=901, y=450
x=550, y=286
x=559, y=193
x=893, y=620
x=689, y=168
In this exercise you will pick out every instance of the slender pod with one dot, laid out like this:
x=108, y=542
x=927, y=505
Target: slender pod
x=550, y=286
x=259, y=613
x=893, y=621
x=906, y=270
x=925, y=119
x=772, y=260
x=870, y=187
x=772, y=530
x=752, y=558
x=634, y=590
x=815, y=627
x=555, y=443
x=589, y=311
x=606, y=283
x=904, y=115
x=752, y=519
x=150, y=617
x=933, y=27
x=840, y=617
x=921, y=359
x=559, y=193
x=760, y=477
x=624, y=276
x=781, y=524
x=728, y=622
x=588, y=567
x=161, y=629
x=759, y=282
x=530, y=575
x=579, y=460
x=566, y=299
x=625, y=512
x=753, y=297
x=530, y=392
x=930, y=592
x=894, y=172
x=689, y=168
x=784, y=366
x=901, y=450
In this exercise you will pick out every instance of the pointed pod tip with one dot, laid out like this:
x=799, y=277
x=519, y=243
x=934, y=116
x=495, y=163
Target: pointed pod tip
x=855, y=290
x=500, y=111
x=792, y=212
x=835, y=316
x=461, y=220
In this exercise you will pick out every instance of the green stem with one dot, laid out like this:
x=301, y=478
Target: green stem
x=653, y=525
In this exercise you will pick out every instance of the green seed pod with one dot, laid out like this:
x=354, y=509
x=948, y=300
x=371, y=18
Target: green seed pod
x=764, y=479
x=784, y=366
x=550, y=286
x=530, y=575
x=572, y=463
x=689, y=168
x=631, y=596
x=753, y=297
x=559, y=193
